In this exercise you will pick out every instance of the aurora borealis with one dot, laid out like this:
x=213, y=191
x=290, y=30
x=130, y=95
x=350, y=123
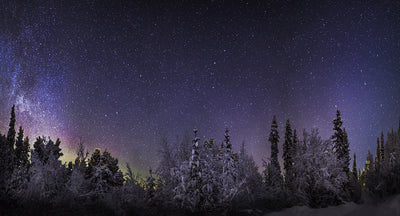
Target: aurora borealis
x=121, y=75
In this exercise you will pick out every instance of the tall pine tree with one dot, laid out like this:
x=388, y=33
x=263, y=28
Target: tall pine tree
x=377, y=156
x=11, y=131
x=296, y=152
x=20, y=177
x=274, y=140
x=229, y=175
x=273, y=170
x=3, y=164
x=25, y=152
x=340, y=141
x=346, y=152
x=7, y=153
x=11, y=140
x=194, y=162
x=382, y=147
x=21, y=149
x=354, y=170
x=295, y=139
x=288, y=154
x=354, y=185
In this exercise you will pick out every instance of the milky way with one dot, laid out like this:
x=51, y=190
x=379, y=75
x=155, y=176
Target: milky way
x=123, y=75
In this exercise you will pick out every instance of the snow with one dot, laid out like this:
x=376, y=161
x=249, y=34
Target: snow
x=390, y=207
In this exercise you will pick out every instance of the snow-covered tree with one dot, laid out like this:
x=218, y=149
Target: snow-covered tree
x=249, y=176
x=321, y=179
x=189, y=191
x=78, y=184
x=230, y=183
x=103, y=173
x=48, y=174
x=20, y=177
x=198, y=183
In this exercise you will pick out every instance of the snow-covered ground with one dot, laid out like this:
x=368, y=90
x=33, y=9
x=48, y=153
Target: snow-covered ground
x=391, y=207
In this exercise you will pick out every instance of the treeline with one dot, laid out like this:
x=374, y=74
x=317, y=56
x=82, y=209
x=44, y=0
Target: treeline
x=381, y=174
x=194, y=176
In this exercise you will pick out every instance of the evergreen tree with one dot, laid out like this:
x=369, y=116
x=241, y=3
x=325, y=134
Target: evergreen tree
x=227, y=140
x=296, y=148
x=354, y=186
x=229, y=176
x=377, y=156
x=47, y=148
x=194, y=162
x=20, y=175
x=4, y=165
x=49, y=176
x=103, y=173
x=368, y=177
x=274, y=140
x=150, y=187
x=188, y=193
x=346, y=152
x=206, y=182
x=18, y=147
x=354, y=170
x=7, y=155
x=273, y=170
x=288, y=154
x=9, y=151
x=39, y=149
x=22, y=150
x=26, y=149
x=295, y=139
x=369, y=164
x=340, y=141
x=11, y=131
x=382, y=148
x=56, y=149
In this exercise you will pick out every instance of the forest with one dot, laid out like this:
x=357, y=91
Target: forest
x=195, y=176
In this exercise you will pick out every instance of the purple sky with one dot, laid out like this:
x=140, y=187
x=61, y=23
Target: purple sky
x=122, y=75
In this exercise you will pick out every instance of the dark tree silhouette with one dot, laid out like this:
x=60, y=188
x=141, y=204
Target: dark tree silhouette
x=340, y=141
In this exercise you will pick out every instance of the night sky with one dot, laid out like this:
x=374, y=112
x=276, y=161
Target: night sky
x=122, y=75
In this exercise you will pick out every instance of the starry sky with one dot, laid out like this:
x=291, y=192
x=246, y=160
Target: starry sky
x=122, y=75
